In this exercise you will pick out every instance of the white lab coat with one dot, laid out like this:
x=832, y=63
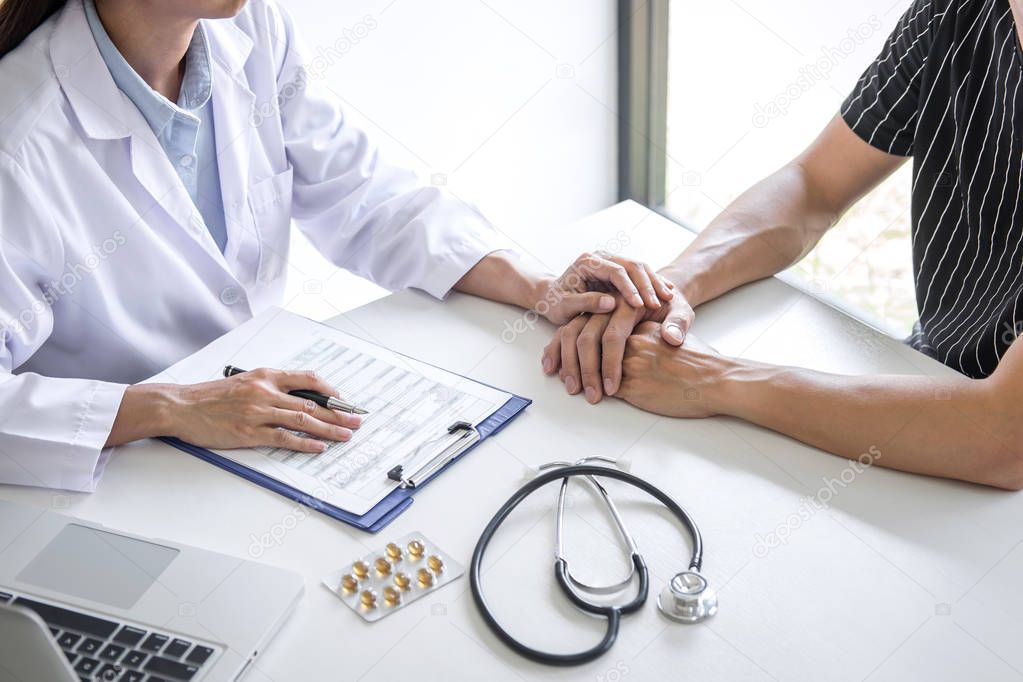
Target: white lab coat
x=107, y=272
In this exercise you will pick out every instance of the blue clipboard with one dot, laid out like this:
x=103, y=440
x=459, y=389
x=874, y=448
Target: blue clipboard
x=385, y=511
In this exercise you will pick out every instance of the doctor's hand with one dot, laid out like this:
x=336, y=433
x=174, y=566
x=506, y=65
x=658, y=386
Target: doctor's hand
x=587, y=352
x=254, y=409
x=592, y=283
x=668, y=380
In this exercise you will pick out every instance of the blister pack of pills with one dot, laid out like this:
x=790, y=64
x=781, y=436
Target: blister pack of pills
x=385, y=581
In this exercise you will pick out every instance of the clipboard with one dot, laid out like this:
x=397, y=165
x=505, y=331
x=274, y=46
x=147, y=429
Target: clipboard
x=391, y=506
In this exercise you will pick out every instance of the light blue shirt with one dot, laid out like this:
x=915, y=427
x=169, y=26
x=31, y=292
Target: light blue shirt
x=185, y=129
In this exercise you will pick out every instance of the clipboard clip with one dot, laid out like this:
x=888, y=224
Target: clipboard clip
x=468, y=436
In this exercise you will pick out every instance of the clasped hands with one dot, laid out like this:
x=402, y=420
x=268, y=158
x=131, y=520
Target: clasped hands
x=640, y=350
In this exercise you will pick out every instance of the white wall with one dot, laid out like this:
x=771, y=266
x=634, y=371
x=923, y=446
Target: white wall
x=513, y=102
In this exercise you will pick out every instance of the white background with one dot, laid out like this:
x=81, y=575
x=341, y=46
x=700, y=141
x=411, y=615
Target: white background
x=513, y=102
x=514, y=105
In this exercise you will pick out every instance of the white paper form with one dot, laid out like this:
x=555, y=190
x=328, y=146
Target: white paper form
x=411, y=405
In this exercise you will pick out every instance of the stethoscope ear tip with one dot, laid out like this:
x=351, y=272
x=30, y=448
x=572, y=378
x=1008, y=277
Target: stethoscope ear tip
x=687, y=598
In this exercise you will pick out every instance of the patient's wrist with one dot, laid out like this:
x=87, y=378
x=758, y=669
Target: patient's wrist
x=744, y=388
x=709, y=389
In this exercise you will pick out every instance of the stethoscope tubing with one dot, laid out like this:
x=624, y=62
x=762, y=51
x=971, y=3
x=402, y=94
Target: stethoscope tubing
x=611, y=613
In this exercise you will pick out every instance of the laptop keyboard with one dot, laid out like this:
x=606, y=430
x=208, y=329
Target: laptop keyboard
x=101, y=649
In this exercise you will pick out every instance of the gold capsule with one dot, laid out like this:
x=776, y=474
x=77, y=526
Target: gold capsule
x=416, y=548
x=392, y=596
x=383, y=566
x=435, y=563
x=425, y=577
x=393, y=551
x=349, y=583
x=368, y=599
x=360, y=569
x=402, y=580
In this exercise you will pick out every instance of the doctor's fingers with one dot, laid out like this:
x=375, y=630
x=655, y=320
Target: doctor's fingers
x=336, y=417
x=588, y=349
x=306, y=423
x=652, y=287
x=572, y=305
x=291, y=380
x=271, y=436
x=591, y=267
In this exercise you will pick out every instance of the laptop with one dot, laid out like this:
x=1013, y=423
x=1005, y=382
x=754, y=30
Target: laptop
x=79, y=601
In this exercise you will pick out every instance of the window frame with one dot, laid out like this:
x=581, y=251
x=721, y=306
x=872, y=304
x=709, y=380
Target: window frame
x=643, y=101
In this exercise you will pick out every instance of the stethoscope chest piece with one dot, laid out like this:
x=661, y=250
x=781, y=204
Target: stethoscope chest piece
x=687, y=598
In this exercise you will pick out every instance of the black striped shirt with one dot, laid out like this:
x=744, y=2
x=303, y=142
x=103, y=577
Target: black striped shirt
x=946, y=90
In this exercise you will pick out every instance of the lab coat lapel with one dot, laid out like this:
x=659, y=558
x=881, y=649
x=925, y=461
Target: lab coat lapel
x=233, y=104
x=105, y=113
x=155, y=173
x=153, y=170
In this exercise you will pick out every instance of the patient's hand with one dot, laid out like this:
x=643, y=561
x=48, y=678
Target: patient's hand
x=587, y=352
x=676, y=382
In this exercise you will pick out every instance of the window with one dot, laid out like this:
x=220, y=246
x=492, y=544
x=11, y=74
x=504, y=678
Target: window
x=749, y=84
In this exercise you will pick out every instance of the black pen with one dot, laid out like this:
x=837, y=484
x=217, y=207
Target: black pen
x=330, y=402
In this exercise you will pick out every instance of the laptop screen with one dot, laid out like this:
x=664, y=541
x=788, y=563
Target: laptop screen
x=107, y=568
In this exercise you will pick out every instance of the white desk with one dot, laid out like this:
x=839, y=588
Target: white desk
x=899, y=577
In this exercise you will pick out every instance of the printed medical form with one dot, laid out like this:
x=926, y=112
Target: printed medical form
x=411, y=404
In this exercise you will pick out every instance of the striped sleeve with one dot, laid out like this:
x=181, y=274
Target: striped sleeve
x=883, y=106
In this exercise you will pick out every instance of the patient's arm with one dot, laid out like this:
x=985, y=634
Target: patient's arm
x=970, y=429
x=773, y=224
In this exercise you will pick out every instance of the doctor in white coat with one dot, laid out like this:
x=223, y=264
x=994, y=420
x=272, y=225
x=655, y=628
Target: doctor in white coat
x=153, y=156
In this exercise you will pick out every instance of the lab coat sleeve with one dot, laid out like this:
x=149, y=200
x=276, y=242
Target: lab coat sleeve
x=52, y=431
x=365, y=215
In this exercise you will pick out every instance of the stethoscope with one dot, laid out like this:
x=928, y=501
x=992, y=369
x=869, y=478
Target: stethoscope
x=685, y=599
